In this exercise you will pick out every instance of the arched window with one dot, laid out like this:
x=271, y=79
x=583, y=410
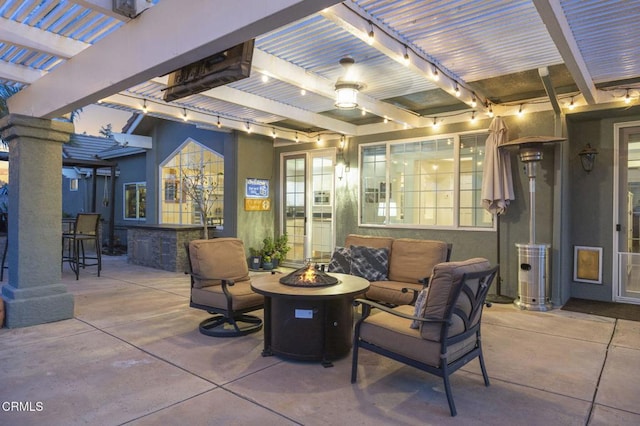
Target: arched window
x=192, y=180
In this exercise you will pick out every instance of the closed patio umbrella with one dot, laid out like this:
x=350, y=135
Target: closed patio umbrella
x=497, y=185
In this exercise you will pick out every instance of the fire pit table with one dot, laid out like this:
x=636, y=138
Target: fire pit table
x=309, y=322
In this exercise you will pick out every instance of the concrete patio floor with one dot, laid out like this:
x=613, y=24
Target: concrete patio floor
x=133, y=355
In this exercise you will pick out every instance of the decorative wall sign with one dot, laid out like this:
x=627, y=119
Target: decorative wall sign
x=257, y=188
x=257, y=204
x=587, y=264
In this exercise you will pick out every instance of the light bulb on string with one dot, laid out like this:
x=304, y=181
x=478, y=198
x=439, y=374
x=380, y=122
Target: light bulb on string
x=571, y=104
x=184, y=114
x=627, y=98
x=144, y=107
x=474, y=103
x=219, y=124
x=490, y=111
x=406, y=58
x=371, y=35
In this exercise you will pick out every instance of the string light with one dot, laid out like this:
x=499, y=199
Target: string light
x=318, y=140
x=386, y=119
x=219, y=124
x=303, y=92
x=371, y=35
x=490, y=110
x=144, y=107
x=406, y=58
x=184, y=114
x=265, y=78
x=473, y=116
x=627, y=98
x=457, y=91
x=273, y=133
x=520, y=110
x=435, y=75
x=248, y=127
x=474, y=103
x=571, y=104
x=435, y=122
x=364, y=111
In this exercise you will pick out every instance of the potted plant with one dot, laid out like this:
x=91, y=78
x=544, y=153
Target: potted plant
x=255, y=259
x=281, y=247
x=267, y=263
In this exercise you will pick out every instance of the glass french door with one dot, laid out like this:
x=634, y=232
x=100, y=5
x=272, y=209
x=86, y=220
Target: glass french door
x=307, y=212
x=627, y=278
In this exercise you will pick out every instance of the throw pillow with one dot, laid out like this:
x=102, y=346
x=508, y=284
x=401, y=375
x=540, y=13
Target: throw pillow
x=419, y=312
x=340, y=261
x=369, y=263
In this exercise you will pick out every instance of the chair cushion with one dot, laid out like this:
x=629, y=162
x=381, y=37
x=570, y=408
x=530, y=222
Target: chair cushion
x=242, y=296
x=393, y=333
x=217, y=259
x=370, y=263
x=444, y=282
x=340, y=261
x=412, y=259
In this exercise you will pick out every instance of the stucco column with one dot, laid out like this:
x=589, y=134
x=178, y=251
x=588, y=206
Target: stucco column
x=34, y=293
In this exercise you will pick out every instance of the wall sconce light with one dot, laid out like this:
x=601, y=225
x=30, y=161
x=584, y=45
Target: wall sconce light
x=342, y=160
x=588, y=157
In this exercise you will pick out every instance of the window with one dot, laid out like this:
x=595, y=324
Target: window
x=73, y=184
x=135, y=200
x=433, y=182
x=197, y=167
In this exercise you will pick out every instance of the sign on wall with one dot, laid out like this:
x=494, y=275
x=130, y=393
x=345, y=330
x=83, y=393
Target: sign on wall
x=257, y=188
x=257, y=204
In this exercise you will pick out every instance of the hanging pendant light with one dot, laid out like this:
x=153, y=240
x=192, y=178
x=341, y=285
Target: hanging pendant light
x=346, y=88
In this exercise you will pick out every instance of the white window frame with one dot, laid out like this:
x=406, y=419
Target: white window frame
x=124, y=201
x=456, y=187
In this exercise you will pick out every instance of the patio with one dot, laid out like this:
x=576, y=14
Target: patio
x=133, y=355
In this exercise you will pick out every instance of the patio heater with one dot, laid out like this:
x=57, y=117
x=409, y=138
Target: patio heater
x=533, y=259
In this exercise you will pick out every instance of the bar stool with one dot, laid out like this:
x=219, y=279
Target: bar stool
x=85, y=229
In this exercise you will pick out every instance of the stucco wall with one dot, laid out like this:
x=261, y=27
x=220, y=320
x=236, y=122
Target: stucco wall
x=255, y=160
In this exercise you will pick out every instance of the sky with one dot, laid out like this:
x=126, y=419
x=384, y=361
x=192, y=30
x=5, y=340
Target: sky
x=93, y=117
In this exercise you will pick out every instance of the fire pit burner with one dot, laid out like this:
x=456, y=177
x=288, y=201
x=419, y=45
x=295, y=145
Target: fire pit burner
x=309, y=276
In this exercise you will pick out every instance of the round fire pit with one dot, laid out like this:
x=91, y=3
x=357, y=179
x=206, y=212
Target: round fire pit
x=308, y=276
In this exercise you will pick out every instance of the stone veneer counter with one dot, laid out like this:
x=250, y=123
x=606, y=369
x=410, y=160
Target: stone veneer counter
x=161, y=246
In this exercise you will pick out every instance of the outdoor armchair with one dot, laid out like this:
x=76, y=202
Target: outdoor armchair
x=441, y=333
x=220, y=285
